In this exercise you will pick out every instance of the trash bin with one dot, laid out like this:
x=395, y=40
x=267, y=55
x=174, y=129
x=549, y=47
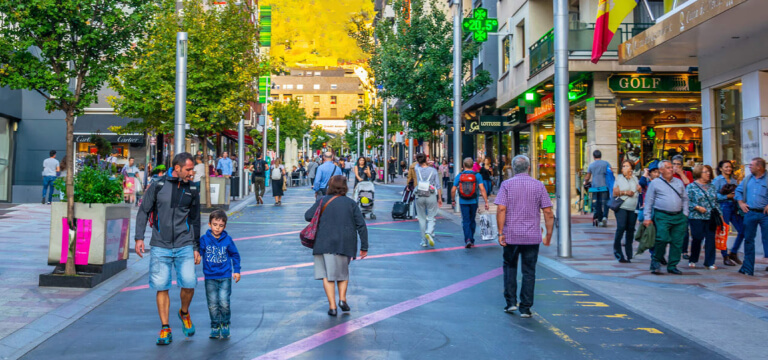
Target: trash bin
x=235, y=189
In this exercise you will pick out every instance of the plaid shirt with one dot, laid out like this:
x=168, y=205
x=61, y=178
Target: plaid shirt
x=524, y=198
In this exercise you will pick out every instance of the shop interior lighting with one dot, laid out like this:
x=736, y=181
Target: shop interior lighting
x=540, y=91
x=653, y=109
x=692, y=100
x=663, y=100
x=738, y=84
x=694, y=108
x=549, y=85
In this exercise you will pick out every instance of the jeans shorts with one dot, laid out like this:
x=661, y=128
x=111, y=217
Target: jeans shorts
x=161, y=262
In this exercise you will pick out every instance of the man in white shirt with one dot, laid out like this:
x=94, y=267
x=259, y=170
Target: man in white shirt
x=50, y=168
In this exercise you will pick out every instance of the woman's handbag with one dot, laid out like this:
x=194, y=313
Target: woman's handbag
x=285, y=185
x=721, y=237
x=615, y=203
x=309, y=233
x=727, y=189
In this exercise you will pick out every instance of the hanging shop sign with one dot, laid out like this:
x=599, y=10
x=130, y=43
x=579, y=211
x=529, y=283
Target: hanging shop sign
x=605, y=103
x=471, y=127
x=577, y=90
x=547, y=108
x=113, y=138
x=490, y=123
x=650, y=83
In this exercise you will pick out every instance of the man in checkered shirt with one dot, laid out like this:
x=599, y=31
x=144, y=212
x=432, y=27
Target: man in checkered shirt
x=521, y=200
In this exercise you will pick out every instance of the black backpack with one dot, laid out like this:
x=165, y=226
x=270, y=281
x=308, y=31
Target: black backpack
x=259, y=167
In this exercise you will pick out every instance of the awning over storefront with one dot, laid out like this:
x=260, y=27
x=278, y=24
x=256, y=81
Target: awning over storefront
x=696, y=29
x=233, y=135
x=100, y=124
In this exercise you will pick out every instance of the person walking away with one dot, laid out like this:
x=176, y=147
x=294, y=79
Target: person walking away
x=752, y=195
x=221, y=263
x=392, y=169
x=130, y=180
x=341, y=223
x=62, y=173
x=277, y=176
x=225, y=165
x=427, y=186
x=173, y=203
x=199, y=171
x=50, y=168
x=347, y=167
x=324, y=174
x=311, y=171
x=445, y=175
x=628, y=188
x=725, y=186
x=666, y=204
x=343, y=166
x=486, y=171
x=469, y=184
x=362, y=171
x=702, y=206
x=259, y=177
x=521, y=200
x=596, y=172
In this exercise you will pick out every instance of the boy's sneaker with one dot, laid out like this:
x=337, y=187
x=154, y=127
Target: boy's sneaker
x=165, y=337
x=526, y=314
x=187, y=326
x=225, y=331
x=431, y=239
x=215, y=333
x=510, y=309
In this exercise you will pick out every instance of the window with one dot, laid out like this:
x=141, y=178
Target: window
x=277, y=87
x=316, y=86
x=300, y=99
x=333, y=100
x=288, y=87
x=521, y=47
x=317, y=73
x=333, y=86
x=299, y=87
x=729, y=116
x=287, y=97
x=360, y=99
x=316, y=112
x=506, y=53
x=309, y=73
x=275, y=98
x=333, y=112
x=300, y=73
x=317, y=100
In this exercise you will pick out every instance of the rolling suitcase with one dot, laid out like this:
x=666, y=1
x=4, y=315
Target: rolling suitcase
x=400, y=210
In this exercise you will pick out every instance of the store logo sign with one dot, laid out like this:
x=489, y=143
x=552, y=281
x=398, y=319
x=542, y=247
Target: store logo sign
x=639, y=83
x=547, y=107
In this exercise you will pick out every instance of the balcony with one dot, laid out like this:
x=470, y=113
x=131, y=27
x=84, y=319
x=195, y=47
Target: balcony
x=580, y=37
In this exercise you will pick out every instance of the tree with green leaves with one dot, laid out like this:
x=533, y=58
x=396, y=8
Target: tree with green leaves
x=414, y=61
x=371, y=119
x=294, y=121
x=318, y=136
x=66, y=50
x=221, y=66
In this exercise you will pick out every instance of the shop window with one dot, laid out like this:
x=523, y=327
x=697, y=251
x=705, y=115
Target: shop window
x=333, y=99
x=316, y=112
x=729, y=116
x=334, y=112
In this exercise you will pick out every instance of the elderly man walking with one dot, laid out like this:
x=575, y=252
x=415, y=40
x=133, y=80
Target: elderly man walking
x=666, y=204
x=752, y=195
x=520, y=201
x=324, y=173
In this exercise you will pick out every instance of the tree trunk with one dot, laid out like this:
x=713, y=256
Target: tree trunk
x=69, y=268
x=206, y=177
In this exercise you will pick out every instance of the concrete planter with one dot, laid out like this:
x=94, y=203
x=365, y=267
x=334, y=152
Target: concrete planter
x=103, y=232
x=220, y=187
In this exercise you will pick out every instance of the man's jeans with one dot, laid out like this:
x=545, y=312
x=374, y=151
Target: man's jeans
x=599, y=205
x=48, y=184
x=529, y=255
x=218, y=291
x=751, y=220
x=259, y=188
x=426, y=210
x=468, y=213
x=732, y=217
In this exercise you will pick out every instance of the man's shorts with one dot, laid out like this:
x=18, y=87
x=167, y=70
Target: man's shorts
x=163, y=260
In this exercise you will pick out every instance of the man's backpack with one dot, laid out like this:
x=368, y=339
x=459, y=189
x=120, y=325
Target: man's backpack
x=259, y=168
x=153, y=213
x=468, y=186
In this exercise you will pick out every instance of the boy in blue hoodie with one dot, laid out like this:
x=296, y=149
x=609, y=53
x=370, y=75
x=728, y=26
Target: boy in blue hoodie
x=220, y=256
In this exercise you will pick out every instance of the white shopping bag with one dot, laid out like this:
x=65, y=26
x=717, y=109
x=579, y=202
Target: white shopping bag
x=488, y=227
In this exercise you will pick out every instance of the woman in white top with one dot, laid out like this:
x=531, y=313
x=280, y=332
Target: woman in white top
x=199, y=170
x=277, y=175
x=628, y=188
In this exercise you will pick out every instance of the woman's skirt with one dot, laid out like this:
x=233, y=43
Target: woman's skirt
x=332, y=267
x=277, y=187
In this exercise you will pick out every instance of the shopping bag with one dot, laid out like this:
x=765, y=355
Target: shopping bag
x=721, y=237
x=487, y=227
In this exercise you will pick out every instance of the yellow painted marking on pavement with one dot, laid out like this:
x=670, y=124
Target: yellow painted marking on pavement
x=614, y=330
x=569, y=293
x=563, y=336
x=650, y=330
x=617, y=316
x=584, y=329
x=592, y=304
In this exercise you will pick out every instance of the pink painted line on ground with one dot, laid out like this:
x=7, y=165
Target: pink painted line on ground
x=296, y=266
x=298, y=231
x=302, y=346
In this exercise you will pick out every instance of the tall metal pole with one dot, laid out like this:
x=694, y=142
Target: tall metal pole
x=277, y=139
x=358, y=141
x=266, y=124
x=365, y=146
x=562, y=130
x=457, y=161
x=386, y=141
x=180, y=118
x=241, y=157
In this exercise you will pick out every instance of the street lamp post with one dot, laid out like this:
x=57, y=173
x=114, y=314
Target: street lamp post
x=266, y=124
x=562, y=130
x=385, y=141
x=241, y=157
x=457, y=163
x=277, y=141
x=358, y=140
x=180, y=118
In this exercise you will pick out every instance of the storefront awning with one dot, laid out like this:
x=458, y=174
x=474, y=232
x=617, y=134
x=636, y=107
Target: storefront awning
x=233, y=135
x=100, y=124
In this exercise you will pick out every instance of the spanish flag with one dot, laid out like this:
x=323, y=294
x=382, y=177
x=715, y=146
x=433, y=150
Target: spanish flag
x=610, y=14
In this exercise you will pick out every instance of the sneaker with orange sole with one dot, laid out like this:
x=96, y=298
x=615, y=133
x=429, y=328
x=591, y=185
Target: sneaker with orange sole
x=165, y=337
x=187, y=326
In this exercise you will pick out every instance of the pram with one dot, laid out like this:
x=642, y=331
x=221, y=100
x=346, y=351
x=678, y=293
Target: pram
x=365, y=192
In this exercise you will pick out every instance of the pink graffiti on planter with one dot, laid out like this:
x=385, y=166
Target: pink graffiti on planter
x=83, y=238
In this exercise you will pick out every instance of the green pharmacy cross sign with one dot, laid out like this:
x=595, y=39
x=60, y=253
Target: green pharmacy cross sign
x=480, y=25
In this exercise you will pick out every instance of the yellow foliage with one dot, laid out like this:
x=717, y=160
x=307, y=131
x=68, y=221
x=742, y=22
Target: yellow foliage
x=315, y=32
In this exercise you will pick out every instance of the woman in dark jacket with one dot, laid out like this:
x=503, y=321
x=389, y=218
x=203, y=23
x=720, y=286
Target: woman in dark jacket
x=336, y=240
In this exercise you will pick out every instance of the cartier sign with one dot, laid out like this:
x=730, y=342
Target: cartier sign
x=115, y=139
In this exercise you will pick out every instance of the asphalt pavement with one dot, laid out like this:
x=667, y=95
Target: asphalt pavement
x=407, y=302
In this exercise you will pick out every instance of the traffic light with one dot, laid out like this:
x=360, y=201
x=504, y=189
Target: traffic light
x=530, y=101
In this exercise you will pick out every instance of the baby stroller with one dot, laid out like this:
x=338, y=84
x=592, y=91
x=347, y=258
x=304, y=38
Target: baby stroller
x=364, y=196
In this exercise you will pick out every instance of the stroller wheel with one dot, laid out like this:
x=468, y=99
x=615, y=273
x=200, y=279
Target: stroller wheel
x=373, y=216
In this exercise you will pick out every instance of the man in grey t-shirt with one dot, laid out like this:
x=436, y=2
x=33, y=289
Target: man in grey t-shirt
x=599, y=189
x=50, y=168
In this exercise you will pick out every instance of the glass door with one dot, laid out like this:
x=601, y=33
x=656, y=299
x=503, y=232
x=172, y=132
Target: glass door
x=5, y=159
